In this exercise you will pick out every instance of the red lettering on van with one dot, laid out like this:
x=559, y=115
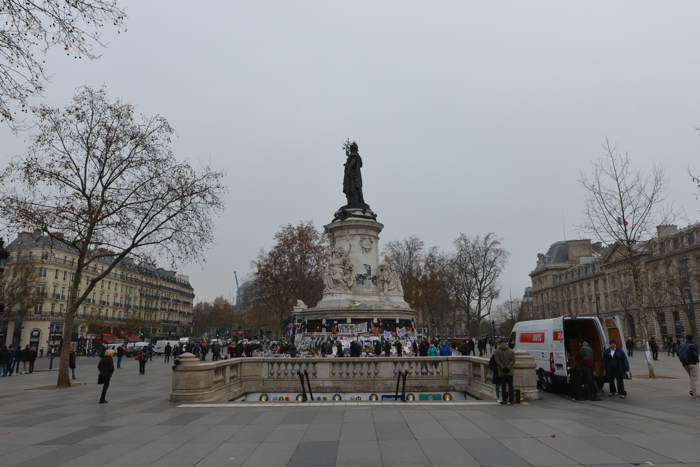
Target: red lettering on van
x=558, y=336
x=532, y=337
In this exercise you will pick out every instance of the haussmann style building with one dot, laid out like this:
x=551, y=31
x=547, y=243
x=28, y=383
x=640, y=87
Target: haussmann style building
x=581, y=278
x=158, y=300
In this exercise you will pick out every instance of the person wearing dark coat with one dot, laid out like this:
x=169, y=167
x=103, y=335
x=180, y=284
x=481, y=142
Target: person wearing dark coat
x=143, y=358
x=71, y=362
x=339, y=346
x=386, y=346
x=616, y=366
x=25, y=357
x=377, y=348
x=4, y=360
x=32, y=358
x=120, y=355
x=399, y=348
x=166, y=352
x=423, y=348
x=106, y=369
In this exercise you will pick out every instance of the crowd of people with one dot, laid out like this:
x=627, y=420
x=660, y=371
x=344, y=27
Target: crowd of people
x=15, y=360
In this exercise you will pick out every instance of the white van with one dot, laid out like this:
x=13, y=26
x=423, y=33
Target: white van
x=160, y=346
x=554, y=343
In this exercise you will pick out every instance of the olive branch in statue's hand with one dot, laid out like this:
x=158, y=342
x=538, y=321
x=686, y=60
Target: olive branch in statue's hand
x=346, y=146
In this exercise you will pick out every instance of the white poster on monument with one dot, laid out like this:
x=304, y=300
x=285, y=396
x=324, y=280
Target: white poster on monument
x=352, y=328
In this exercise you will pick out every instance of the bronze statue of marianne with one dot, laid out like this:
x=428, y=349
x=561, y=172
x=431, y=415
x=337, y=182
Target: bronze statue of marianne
x=352, y=186
x=352, y=181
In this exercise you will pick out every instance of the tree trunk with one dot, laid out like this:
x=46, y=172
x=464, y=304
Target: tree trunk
x=644, y=319
x=63, y=376
x=71, y=311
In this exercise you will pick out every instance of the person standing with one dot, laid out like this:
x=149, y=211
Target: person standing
x=15, y=359
x=494, y=376
x=386, y=346
x=616, y=366
x=629, y=343
x=505, y=360
x=339, y=349
x=4, y=359
x=32, y=358
x=71, y=362
x=445, y=349
x=399, y=348
x=589, y=385
x=142, y=358
x=106, y=369
x=25, y=356
x=654, y=347
x=688, y=355
x=166, y=352
x=120, y=355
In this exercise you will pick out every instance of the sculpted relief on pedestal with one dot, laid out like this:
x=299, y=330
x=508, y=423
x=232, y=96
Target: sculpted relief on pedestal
x=389, y=281
x=338, y=276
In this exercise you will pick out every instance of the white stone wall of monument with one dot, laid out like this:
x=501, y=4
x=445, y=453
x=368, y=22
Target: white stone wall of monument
x=354, y=259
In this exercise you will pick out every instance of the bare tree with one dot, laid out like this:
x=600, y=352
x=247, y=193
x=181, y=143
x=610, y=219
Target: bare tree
x=486, y=262
x=621, y=208
x=461, y=279
x=292, y=270
x=18, y=294
x=106, y=184
x=405, y=257
x=31, y=27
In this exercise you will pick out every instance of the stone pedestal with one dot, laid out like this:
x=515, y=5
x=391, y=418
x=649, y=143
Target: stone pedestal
x=356, y=285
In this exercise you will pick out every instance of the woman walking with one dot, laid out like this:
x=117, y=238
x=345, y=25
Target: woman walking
x=106, y=368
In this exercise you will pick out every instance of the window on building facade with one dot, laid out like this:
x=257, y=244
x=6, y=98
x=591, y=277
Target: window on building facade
x=38, y=308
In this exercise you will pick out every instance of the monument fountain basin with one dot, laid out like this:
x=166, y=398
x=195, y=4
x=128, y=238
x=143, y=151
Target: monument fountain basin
x=194, y=381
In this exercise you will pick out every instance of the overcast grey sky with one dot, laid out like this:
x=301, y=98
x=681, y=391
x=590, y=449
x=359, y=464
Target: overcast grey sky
x=471, y=117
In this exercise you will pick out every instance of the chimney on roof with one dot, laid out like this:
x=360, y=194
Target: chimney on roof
x=664, y=230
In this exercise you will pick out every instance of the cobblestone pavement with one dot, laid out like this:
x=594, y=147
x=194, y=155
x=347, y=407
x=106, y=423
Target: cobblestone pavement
x=657, y=424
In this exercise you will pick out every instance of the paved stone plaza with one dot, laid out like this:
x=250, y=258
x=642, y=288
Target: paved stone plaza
x=658, y=424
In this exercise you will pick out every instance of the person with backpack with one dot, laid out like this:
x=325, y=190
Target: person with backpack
x=688, y=355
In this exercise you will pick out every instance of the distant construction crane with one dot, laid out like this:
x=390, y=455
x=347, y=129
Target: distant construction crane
x=235, y=276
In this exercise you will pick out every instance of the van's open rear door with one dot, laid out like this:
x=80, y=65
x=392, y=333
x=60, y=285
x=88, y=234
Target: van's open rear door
x=614, y=331
x=558, y=350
